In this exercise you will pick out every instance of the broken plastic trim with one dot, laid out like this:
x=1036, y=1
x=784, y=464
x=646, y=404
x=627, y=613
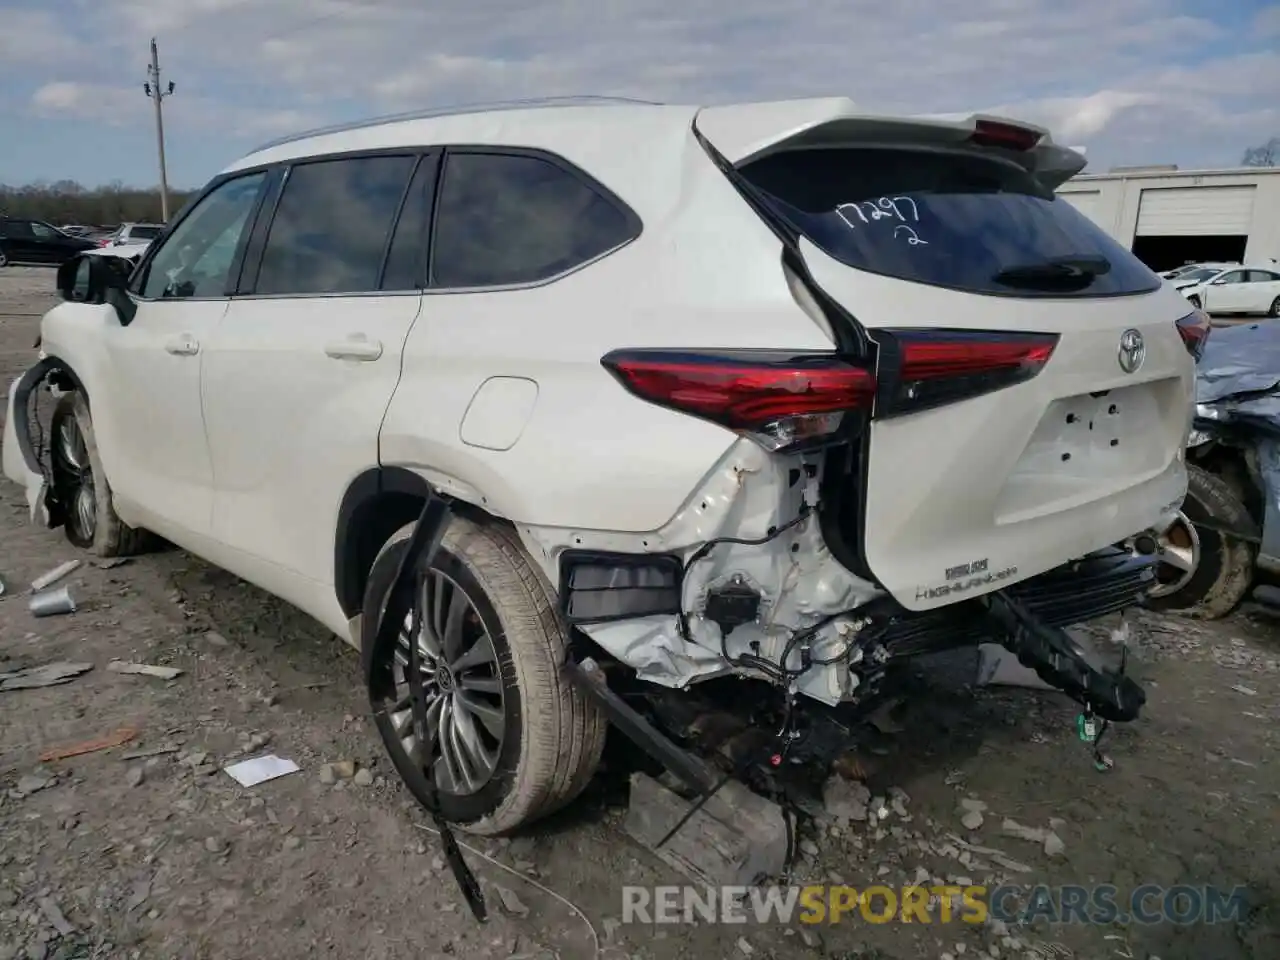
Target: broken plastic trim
x=1057, y=661
x=598, y=587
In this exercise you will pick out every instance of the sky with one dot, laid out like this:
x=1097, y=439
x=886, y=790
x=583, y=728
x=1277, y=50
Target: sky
x=1190, y=82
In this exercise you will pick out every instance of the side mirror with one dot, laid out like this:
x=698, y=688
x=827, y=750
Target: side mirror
x=1217, y=283
x=91, y=279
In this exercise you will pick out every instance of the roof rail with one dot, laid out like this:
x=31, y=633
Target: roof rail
x=456, y=110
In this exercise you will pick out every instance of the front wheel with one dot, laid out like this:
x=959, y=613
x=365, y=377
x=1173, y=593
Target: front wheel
x=1275, y=308
x=512, y=739
x=4, y=258
x=80, y=486
x=1202, y=573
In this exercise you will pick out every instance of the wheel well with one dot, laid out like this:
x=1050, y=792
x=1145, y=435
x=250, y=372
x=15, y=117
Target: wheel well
x=377, y=504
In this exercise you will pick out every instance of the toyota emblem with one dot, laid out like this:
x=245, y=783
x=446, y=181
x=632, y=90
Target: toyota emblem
x=1133, y=350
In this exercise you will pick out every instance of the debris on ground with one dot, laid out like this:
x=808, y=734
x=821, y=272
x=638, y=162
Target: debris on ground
x=114, y=562
x=55, y=917
x=144, y=669
x=52, y=603
x=45, y=675
x=971, y=812
x=149, y=753
x=46, y=580
x=135, y=776
x=736, y=837
x=845, y=799
x=511, y=903
x=250, y=773
x=114, y=739
x=337, y=770
x=363, y=777
x=34, y=783
x=1247, y=691
x=1047, y=839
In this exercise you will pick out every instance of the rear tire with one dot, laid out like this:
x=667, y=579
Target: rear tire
x=1275, y=308
x=80, y=484
x=552, y=735
x=4, y=258
x=1223, y=565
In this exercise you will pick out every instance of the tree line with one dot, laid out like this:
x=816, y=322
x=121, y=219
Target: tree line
x=68, y=202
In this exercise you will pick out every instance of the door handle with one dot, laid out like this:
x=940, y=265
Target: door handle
x=357, y=347
x=183, y=345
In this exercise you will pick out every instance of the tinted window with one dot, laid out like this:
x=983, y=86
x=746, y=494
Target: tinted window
x=949, y=219
x=507, y=219
x=18, y=230
x=196, y=259
x=407, y=259
x=144, y=233
x=1262, y=276
x=332, y=224
x=43, y=231
x=1235, y=276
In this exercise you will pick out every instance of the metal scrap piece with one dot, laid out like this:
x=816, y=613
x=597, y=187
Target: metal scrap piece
x=45, y=675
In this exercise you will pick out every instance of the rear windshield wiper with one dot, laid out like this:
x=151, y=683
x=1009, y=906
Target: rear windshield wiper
x=1071, y=273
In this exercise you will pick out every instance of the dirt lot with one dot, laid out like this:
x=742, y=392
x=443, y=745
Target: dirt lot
x=166, y=856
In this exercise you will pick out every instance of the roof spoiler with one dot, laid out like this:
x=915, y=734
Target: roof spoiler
x=746, y=132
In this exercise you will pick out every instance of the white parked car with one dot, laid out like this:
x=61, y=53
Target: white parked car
x=780, y=390
x=1240, y=290
x=1190, y=271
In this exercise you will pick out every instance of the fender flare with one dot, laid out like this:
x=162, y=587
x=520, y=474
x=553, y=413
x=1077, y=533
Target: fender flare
x=46, y=369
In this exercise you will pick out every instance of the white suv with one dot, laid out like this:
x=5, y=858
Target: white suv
x=780, y=390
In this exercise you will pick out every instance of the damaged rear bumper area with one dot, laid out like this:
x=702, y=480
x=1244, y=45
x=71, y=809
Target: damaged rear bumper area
x=22, y=461
x=758, y=594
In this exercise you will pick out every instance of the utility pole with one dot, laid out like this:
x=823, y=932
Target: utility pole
x=157, y=93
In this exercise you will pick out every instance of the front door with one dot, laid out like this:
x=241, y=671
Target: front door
x=154, y=447
x=1227, y=293
x=298, y=375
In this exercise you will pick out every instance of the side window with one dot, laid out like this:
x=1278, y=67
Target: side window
x=406, y=267
x=332, y=225
x=1263, y=276
x=43, y=231
x=507, y=219
x=196, y=259
x=1235, y=276
x=20, y=230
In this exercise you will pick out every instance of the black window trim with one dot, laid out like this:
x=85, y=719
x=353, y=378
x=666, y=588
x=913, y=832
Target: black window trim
x=246, y=285
x=139, y=274
x=635, y=226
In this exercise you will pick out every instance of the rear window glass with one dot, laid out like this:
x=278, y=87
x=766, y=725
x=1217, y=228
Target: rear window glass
x=945, y=218
x=145, y=233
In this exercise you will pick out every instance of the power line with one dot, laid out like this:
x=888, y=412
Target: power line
x=157, y=92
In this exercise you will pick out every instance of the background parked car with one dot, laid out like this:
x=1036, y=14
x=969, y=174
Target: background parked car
x=34, y=241
x=133, y=233
x=1245, y=290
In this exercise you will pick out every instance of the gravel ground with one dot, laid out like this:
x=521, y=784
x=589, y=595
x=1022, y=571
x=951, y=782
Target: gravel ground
x=105, y=855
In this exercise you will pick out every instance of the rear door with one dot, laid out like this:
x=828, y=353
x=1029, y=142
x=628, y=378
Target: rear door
x=299, y=373
x=1264, y=291
x=1034, y=388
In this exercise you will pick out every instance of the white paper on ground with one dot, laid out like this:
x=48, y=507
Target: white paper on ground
x=250, y=773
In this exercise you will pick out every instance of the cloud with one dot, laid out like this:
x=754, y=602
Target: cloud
x=1186, y=81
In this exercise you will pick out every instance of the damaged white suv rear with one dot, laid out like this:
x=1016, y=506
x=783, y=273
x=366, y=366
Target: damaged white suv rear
x=783, y=392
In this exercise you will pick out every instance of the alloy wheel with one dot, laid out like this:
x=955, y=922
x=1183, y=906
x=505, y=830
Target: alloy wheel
x=1177, y=555
x=74, y=480
x=458, y=666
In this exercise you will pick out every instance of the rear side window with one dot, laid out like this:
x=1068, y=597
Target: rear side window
x=332, y=225
x=944, y=218
x=507, y=219
x=144, y=233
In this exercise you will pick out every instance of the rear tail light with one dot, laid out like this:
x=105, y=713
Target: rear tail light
x=780, y=399
x=787, y=402
x=1194, y=329
x=1008, y=136
x=920, y=369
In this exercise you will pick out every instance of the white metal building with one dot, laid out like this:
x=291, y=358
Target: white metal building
x=1169, y=217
